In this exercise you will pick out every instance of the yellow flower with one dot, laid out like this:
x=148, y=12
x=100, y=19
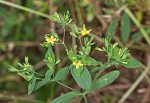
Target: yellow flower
x=84, y=31
x=77, y=64
x=51, y=40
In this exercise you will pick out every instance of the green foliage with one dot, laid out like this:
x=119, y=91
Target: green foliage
x=125, y=26
x=112, y=27
x=50, y=58
x=81, y=62
x=75, y=30
x=91, y=62
x=131, y=63
x=25, y=70
x=61, y=73
x=44, y=81
x=63, y=20
x=31, y=85
x=102, y=67
x=84, y=80
x=116, y=56
x=104, y=81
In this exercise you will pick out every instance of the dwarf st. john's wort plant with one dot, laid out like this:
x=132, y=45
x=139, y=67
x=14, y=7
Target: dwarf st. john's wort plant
x=80, y=60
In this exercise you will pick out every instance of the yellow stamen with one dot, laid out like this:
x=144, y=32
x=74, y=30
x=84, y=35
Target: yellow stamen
x=77, y=64
x=51, y=40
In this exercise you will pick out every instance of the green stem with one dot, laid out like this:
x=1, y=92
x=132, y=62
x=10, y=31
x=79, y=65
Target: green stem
x=63, y=44
x=38, y=78
x=66, y=86
x=64, y=34
x=39, y=74
x=24, y=8
x=85, y=99
x=104, y=66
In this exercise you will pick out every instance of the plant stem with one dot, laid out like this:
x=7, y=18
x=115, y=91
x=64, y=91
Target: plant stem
x=24, y=8
x=66, y=86
x=85, y=99
x=39, y=74
x=104, y=66
x=64, y=34
x=63, y=44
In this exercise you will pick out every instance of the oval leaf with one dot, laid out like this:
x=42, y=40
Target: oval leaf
x=61, y=73
x=125, y=26
x=112, y=27
x=84, y=80
x=45, y=80
x=50, y=58
x=104, y=80
x=131, y=63
x=102, y=67
x=91, y=62
x=65, y=98
x=31, y=85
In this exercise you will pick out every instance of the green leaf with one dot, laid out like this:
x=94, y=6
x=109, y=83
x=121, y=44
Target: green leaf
x=78, y=71
x=74, y=28
x=125, y=26
x=45, y=80
x=104, y=80
x=31, y=85
x=91, y=62
x=53, y=33
x=50, y=58
x=61, y=73
x=12, y=69
x=84, y=80
x=112, y=28
x=65, y=98
x=131, y=63
x=26, y=75
x=102, y=67
x=136, y=36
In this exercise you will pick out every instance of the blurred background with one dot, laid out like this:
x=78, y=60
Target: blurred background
x=21, y=32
